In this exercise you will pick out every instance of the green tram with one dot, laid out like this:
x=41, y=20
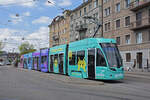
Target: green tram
x=93, y=58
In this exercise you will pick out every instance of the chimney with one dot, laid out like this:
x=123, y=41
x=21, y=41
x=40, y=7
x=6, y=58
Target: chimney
x=83, y=1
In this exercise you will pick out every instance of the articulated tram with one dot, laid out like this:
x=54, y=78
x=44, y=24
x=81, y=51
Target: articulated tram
x=93, y=58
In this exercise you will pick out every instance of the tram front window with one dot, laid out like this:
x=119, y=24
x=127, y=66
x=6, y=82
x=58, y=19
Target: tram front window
x=112, y=53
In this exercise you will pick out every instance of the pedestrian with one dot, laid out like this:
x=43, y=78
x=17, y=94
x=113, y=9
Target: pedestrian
x=134, y=64
x=147, y=65
x=16, y=63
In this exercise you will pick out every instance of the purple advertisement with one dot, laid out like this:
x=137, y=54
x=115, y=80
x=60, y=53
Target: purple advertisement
x=44, y=60
x=36, y=60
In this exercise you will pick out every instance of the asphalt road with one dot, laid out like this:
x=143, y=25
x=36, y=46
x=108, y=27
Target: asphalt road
x=16, y=84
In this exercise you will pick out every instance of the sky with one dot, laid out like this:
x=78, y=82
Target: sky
x=28, y=20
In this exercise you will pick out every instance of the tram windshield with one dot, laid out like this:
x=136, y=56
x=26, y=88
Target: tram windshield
x=112, y=53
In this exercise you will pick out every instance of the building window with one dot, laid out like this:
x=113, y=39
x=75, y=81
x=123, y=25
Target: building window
x=118, y=7
x=76, y=14
x=107, y=26
x=71, y=17
x=96, y=3
x=80, y=22
x=127, y=3
x=118, y=40
x=106, y=1
x=95, y=15
x=80, y=13
x=85, y=10
x=127, y=21
x=127, y=39
x=138, y=18
x=128, y=57
x=90, y=6
x=118, y=23
x=107, y=11
x=139, y=38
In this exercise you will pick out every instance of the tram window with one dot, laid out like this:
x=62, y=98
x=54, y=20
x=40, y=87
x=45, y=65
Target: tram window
x=80, y=55
x=52, y=59
x=72, y=59
x=25, y=61
x=29, y=60
x=43, y=59
x=61, y=57
x=56, y=57
x=35, y=60
x=100, y=60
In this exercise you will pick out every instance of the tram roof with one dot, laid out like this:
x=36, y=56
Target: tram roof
x=93, y=41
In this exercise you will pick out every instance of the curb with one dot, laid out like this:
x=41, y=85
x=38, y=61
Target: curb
x=137, y=76
x=139, y=73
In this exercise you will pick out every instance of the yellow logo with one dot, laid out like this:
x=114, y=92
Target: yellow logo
x=82, y=64
x=70, y=54
x=55, y=62
x=56, y=50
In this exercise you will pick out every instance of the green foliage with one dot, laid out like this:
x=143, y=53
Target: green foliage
x=26, y=48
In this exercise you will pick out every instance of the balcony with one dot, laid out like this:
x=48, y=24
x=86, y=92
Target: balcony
x=55, y=44
x=82, y=27
x=55, y=37
x=136, y=5
x=140, y=24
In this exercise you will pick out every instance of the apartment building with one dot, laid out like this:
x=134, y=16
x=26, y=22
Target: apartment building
x=81, y=27
x=59, y=29
x=128, y=21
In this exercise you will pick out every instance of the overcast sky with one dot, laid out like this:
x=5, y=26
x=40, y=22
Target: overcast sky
x=29, y=19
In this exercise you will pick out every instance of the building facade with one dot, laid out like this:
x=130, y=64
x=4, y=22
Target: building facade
x=81, y=27
x=59, y=29
x=128, y=21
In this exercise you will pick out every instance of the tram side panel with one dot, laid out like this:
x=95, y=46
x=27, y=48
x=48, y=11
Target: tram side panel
x=57, y=59
x=44, y=60
x=25, y=61
x=29, y=61
x=36, y=60
x=78, y=59
x=88, y=60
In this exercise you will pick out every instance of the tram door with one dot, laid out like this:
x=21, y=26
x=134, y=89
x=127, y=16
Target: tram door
x=38, y=63
x=91, y=64
x=61, y=63
x=51, y=63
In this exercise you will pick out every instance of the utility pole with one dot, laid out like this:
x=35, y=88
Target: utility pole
x=102, y=35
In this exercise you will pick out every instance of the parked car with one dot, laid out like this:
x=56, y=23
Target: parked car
x=1, y=63
x=8, y=63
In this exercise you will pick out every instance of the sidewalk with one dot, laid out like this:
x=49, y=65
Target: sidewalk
x=144, y=73
x=138, y=74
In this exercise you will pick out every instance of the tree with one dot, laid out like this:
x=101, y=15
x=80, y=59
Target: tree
x=26, y=48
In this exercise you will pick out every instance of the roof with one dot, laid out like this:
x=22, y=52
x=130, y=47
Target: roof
x=82, y=5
